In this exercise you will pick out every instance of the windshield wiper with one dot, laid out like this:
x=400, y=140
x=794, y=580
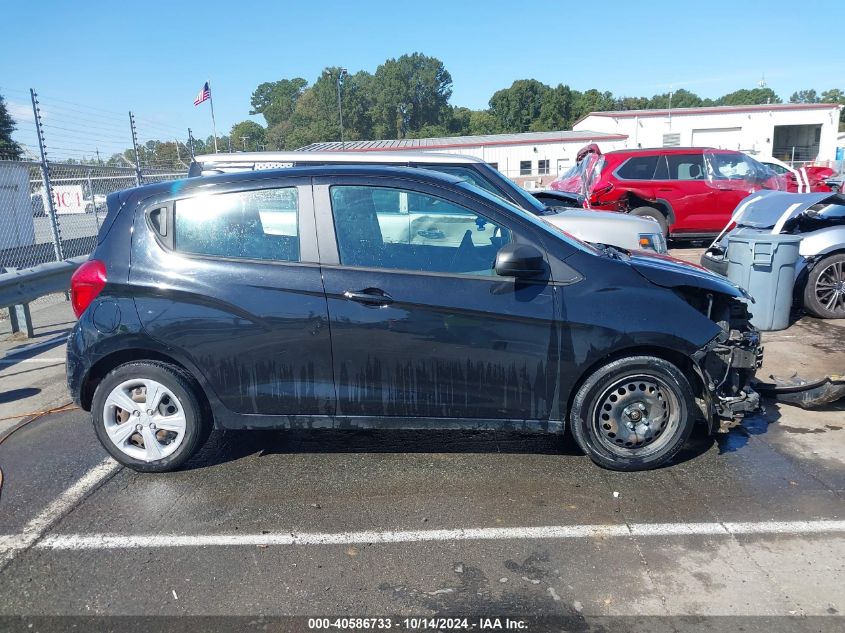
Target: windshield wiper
x=613, y=252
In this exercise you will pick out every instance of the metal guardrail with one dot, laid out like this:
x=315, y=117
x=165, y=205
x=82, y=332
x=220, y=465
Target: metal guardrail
x=19, y=287
x=27, y=284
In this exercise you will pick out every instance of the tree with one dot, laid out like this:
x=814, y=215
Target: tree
x=357, y=91
x=835, y=95
x=482, y=122
x=804, y=96
x=9, y=149
x=755, y=96
x=516, y=108
x=679, y=98
x=276, y=100
x=591, y=101
x=555, y=110
x=409, y=93
x=248, y=136
x=632, y=103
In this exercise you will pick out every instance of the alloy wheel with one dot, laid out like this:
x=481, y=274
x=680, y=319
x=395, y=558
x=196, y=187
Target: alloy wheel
x=830, y=288
x=144, y=419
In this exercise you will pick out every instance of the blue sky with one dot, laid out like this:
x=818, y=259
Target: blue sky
x=152, y=57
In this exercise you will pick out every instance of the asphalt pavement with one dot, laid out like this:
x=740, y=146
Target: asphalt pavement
x=749, y=524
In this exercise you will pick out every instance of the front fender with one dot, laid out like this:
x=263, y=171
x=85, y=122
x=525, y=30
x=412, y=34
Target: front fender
x=823, y=241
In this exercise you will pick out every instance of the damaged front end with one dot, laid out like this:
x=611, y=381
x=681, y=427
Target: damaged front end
x=727, y=365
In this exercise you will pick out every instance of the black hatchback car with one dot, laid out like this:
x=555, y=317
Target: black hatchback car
x=350, y=297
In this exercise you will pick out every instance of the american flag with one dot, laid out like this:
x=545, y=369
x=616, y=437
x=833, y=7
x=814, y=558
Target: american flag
x=204, y=94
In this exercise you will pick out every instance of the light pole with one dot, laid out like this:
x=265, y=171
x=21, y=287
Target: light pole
x=244, y=139
x=340, y=77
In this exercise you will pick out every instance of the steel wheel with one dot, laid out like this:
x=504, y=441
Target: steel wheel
x=830, y=288
x=144, y=419
x=636, y=415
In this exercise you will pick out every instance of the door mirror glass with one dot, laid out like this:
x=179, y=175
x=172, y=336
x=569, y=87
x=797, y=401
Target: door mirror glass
x=522, y=261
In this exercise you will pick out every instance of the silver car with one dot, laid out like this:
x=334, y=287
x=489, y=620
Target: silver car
x=819, y=218
x=597, y=227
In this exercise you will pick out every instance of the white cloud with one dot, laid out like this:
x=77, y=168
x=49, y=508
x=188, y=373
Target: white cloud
x=20, y=112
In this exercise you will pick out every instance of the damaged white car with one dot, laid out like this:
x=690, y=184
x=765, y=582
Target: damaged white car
x=819, y=218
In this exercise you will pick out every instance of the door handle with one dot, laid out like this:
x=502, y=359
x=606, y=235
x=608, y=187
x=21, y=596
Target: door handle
x=369, y=296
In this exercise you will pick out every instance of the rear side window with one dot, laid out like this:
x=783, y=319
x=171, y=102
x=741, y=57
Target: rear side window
x=686, y=166
x=259, y=224
x=638, y=168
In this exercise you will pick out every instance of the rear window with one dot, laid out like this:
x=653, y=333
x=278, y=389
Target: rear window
x=259, y=224
x=638, y=168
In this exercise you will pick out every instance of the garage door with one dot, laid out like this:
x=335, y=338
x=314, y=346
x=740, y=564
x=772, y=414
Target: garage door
x=720, y=137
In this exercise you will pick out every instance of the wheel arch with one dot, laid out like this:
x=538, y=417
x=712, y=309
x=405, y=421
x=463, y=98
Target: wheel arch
x=683, y=362
x=636, y=199
x=107, y=363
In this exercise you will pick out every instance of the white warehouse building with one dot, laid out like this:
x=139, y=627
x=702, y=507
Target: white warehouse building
x=787, y=131
x=790, y=132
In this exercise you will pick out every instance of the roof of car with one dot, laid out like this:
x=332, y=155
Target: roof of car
x=664, y=150
x=190, y=184
x=659, y=151
x=241, y=158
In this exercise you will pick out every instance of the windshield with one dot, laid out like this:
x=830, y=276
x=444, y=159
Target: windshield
x=530, y=217
x=734, y=170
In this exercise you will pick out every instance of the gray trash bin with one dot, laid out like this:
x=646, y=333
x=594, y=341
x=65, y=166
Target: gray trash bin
x=764, y=264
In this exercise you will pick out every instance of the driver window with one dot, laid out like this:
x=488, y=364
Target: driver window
x=383, y=227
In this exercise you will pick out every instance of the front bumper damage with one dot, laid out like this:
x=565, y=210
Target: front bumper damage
x=726, y=366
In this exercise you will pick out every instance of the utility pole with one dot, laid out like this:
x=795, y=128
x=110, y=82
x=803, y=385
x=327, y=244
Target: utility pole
x=47, y=195
x=135, y=148
x=341, y=74
x=191, y=143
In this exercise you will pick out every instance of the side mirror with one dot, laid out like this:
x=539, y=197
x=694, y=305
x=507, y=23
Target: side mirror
x=522, y=261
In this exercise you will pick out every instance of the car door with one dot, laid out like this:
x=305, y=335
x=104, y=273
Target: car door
x=732, y=176
x=694, y=200
x=422, y=327
x=229, y=280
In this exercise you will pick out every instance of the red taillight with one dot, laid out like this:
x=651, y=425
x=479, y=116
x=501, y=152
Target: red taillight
x=87, y=282
x=599, y=192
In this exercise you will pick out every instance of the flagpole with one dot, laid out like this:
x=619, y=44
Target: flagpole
x=213, y=124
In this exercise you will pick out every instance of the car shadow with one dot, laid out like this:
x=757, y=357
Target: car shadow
x=227, y=446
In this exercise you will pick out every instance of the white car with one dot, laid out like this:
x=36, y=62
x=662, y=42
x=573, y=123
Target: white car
x=598, y=227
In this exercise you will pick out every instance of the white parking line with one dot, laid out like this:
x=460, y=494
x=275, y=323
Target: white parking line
x=128, y=541
x=36, y=527
x=5, y=361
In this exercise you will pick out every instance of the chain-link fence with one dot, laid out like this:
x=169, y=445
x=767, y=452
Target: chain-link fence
x=53, y=196
x=35, y=229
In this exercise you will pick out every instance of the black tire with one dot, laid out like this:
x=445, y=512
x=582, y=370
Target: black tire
x=197, y=421
x=828, y=272
x=655, y=214
x=600, y=431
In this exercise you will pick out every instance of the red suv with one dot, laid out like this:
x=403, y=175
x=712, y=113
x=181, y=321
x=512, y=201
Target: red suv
x=690, y=191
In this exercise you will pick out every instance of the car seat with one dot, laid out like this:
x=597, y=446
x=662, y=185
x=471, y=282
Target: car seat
x=359, y=238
